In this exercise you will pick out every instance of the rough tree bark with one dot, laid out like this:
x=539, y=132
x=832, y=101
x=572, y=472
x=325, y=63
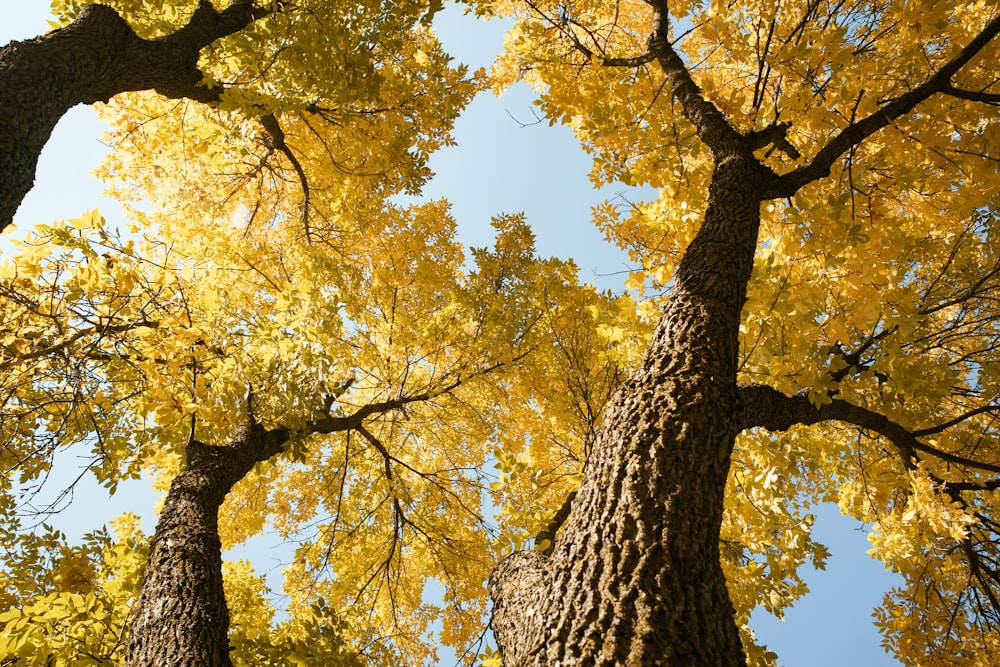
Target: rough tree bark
x=181, y=618
x=92, y=59
x=634, y=576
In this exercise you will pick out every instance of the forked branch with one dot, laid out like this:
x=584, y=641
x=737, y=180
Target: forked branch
x=940, y=82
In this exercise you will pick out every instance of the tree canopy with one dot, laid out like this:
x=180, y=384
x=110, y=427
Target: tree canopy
x=284, y=339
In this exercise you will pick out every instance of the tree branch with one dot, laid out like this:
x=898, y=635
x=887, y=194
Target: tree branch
x=631, y=61
x=167, y=64
x=387, y=458
x=330, y=424
x=931, y=430
x=276, y=141
x=67, y=342
x=92, y=59
x=550, y=530
x=355, y=420
x=776, y=134
x=992, y=99
x=207, y=24
x=709, y=122
x=940, y=82
x=768, y=408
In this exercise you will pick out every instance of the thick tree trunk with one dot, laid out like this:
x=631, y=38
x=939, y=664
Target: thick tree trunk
x=181, y=618
x=635, y=577
x=91, y=60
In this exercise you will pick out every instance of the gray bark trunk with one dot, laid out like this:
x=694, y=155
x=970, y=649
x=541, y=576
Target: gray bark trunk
x=181, y=618
x=635, y=577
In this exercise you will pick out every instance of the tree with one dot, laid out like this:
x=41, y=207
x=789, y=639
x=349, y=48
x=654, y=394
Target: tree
x=94, y=58
x=300, y=314
x=823, y=241
x=273, y=313
x=824, y=232
x=382, y=370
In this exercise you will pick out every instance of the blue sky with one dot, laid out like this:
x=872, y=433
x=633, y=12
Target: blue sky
x=486, y=174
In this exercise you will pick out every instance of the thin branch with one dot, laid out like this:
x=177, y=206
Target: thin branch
x=355, y=420
x=276, y=141
x=330, y=424
x=992, y=99
x=67, y=342
x=387, y=458
x=550, y=530
x=957, y=420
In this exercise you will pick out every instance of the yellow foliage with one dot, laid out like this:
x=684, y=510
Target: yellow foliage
x=296, y=275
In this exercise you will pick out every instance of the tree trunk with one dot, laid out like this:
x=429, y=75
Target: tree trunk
x=635, y=577
x=181, y=618
x=94, y=58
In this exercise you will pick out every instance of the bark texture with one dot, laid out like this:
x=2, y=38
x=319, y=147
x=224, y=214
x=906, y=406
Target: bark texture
x=91, y=60
x=181, y=618
x=635, y=577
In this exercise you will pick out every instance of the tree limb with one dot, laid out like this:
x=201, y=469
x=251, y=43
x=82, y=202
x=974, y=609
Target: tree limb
x=631, y=61
x=776, y=134
x=550, y=530
x=709, y=122
x=931, y=430
x=68, y=341
x=768, y=408
x=973, y=95
x=94, y=58
x=822, y=163
x=276, y=141
x=355, y=420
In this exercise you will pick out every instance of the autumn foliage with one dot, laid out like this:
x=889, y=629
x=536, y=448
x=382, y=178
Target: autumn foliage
x=438, y=405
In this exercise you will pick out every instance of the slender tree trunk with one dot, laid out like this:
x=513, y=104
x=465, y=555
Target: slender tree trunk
x=181, y=618
x=635, y=577
x=94, y=58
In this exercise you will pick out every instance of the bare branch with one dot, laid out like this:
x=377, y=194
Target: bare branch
x=331, y=424
x=387, y=458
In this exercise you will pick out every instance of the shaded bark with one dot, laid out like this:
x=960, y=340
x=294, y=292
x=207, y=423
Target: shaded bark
x=181, y=618
x=94, y=58
x=635, y=576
